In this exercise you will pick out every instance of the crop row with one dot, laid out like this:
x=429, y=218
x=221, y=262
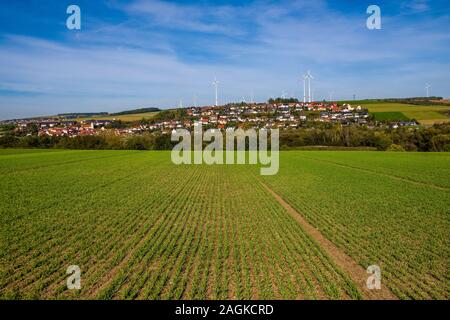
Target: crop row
x=396, y=224
x=140, y=227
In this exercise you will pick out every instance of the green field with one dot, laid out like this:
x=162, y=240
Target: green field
x=140, y=227
x=391, y=111
x=390, y=116
x=124, y=117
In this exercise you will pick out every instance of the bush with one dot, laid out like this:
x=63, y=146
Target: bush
x=30, y=142
x=9, y=141
x=440, y=142
x=138, y=143
x=83, y=143
x=163, y=142
x=395, y=147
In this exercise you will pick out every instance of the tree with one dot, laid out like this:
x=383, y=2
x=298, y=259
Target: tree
x=137, y=143
x=440, y=142
x=8, y=141
x=163, y=142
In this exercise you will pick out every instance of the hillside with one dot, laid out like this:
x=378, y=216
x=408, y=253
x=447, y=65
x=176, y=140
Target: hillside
x=135, y=111
x=123, y=117
x=425, y=114
x=127, y=115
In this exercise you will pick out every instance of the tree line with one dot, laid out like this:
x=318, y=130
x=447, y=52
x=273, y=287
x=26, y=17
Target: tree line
x=435, y=138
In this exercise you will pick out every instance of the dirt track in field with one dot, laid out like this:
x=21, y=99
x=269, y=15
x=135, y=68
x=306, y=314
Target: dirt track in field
x=356, y=273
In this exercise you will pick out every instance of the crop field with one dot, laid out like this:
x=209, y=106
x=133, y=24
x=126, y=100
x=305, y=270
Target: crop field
x=390, y=116
x=424, y=114
x=140, y=227
x=123, y=117
x=386, y=209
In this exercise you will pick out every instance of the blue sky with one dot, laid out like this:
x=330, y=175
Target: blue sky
x=153, y=53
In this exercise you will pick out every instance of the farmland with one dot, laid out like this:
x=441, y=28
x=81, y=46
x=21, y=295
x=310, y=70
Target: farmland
x=380, y=208
x=140, y=227
x=426, y=115
x=123, y=117
x=390, y=116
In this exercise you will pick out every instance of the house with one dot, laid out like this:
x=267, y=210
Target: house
x=204, y=120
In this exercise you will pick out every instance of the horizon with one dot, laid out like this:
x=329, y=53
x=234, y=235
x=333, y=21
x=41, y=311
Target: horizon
x=99, y=113
x=156, y=53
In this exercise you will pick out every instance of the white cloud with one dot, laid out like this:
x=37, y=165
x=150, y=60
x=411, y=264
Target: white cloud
x=138, y=62
x=416, y=6
x=199, y=18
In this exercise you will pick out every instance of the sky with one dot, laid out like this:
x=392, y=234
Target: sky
x=154, y=53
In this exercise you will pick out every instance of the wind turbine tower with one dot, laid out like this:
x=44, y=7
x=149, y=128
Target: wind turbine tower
x=331, y=96
x=428, y=86
x=216, y=84
x=304, y=88
x=307, y=79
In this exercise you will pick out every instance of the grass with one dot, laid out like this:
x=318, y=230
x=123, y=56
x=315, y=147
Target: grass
x=430, y=122
x=5, y=152
x=140, y=227
x=125, y=117
x=390, y=116
x=381, y=208
x=424, y=114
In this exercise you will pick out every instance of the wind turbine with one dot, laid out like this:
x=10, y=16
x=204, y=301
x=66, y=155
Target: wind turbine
x=331, y=96
x=304, y=88
x=251, y=97
x=308, y=78
x=283, y=94
x=428, y=86
x=216, y=84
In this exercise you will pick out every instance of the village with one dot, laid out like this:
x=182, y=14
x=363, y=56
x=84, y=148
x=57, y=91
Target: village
x=230, y=116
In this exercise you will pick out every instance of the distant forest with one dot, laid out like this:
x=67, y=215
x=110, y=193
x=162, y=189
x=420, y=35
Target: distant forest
x=135, y=111
x=81, y=114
